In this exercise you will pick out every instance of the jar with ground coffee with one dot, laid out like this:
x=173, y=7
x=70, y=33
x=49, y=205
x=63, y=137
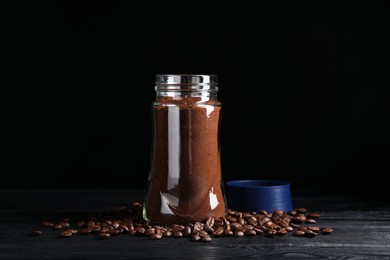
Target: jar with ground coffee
x=185, y=181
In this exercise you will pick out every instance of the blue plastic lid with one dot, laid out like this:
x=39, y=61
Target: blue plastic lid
x=255, y=195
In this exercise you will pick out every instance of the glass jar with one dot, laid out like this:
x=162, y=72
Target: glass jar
x=185, y=182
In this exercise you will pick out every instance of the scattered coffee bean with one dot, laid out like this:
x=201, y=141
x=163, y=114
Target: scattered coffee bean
x=103, y=235
x=238, y=233
x=156, y=236
x=327, y=231
x=177, y=234
x=205, y=238
x=195, y=237
x=48, y=224
x=36, y=233
x=129, y=220
x=57, y=226
x=314, y=215
x=66, y=233
x=271, y=233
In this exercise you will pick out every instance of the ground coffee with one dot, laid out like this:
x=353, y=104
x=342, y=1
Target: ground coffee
x=185, y=182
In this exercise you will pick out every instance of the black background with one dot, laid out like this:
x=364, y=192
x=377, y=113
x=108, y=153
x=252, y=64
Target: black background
x=304, y=88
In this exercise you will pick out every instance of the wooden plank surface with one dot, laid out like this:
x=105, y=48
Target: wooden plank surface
x=362, y=230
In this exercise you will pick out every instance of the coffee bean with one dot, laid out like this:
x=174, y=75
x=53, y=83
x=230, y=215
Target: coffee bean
x=64, y=224
x=177, y=234
x=314, y=215
x=85, y=231
x=149, y=231
x=66, y=233
x=139, y=230
x=301, y=210
x=218, y=232
x=310, y=233
x=205, y=238
x=104, y=230
x=81, y=224
x=250, y=232
x=258, y=231
x=282, y=232
x=289, y=229
x=238, y=233
x=186, y=231
x=210, y=222
x=231, y=219
x=271, y=233
x=202, y=232
x=156, y=236
x=167, y=234
x=297, y=220
x=263, y=212
x=48, y=224
x=299, y=233
x=57, y=226
x=278, y=213
x=36, y=233
x=311, y=221
x=104, y=235
x=314, y=229
x=294, y=225
x=327, y=231
x=236, y=226
x=195, y=237
x=292, y=212
x=228, y=233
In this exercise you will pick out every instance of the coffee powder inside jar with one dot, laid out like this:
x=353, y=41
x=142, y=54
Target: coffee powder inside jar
x=185, y=182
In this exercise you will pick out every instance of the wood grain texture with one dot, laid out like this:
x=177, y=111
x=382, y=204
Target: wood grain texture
x=362, y=230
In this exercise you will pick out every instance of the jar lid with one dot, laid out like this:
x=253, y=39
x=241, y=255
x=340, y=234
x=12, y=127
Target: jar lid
x=255, y=195
x=186, y=82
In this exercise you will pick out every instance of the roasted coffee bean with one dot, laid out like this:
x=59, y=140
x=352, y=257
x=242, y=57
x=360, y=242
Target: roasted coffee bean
x=258, y=231
x=292, y=212
x=271, y=233
x=218, y=232
x=85, y=231
x=48, y=224
x=231, y=219
x=238, y=233
x=314, y=215
x=297, y=220
x=104, y=229
x=210, y=222
x=64, y=224
x=202, y=232
x=269, y=223
x=81, y=224
x=289, y=229
x=314, y=229
x=311, y=221
x=208, y=229
x=139, y=230
x=241, y=221
x=195, y=237
x=186, y=231
x=263, y=212
x=57, y=226
x=149, y=231
x=236, y=226
x=281, y=232
x=301, y=210
x=103, y=235
x=167, y=234
x=294, y=225
x=327, y=231
x=66, y=233
x=250, y=232
x=177, y=234
x=36, y=233
x=302, y=228
x=114, y=232
x=310, y=233
x=299, y=233
x=205, y=238
x=278, y=213
x=156, y=236
x=228, y=233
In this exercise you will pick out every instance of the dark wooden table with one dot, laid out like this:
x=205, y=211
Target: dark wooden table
x=361, y=230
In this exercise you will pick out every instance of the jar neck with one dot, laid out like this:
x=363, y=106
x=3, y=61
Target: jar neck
x=203, y=95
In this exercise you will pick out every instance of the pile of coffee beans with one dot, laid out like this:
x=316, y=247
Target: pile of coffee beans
x=128, y=220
